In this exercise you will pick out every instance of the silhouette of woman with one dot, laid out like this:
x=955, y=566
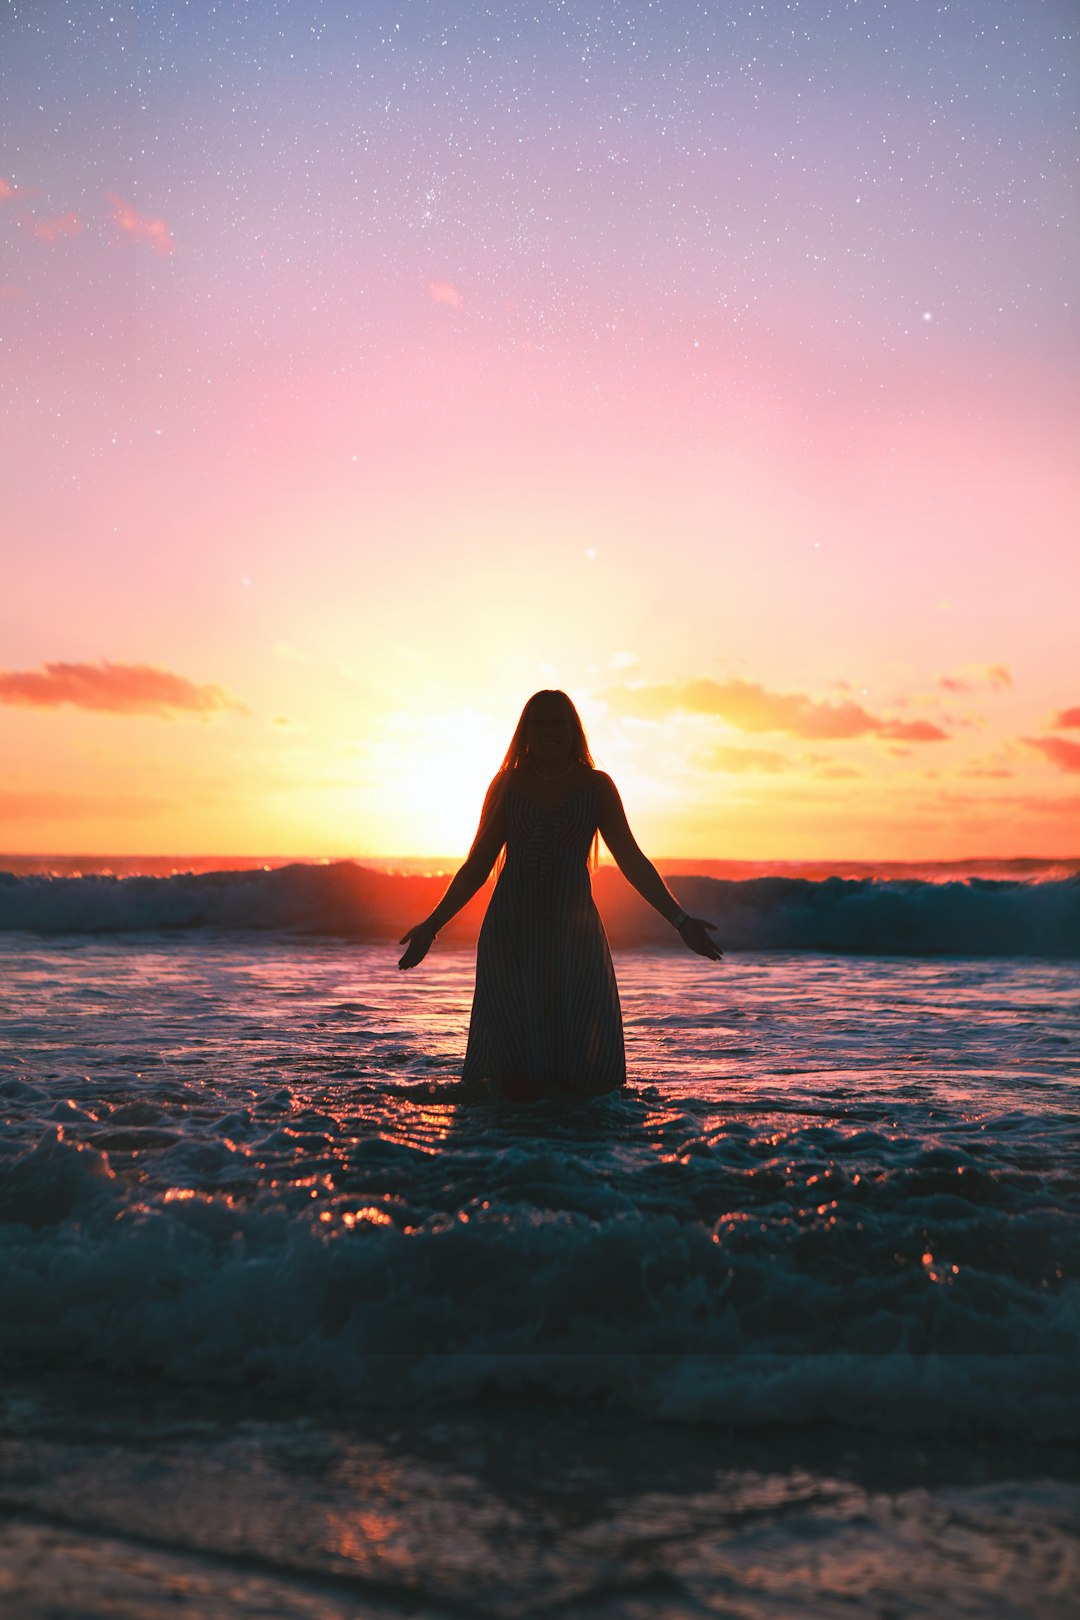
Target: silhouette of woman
x=545, y=1017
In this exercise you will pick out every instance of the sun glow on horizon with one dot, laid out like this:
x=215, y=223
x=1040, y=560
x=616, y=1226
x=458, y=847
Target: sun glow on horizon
x=433, y=770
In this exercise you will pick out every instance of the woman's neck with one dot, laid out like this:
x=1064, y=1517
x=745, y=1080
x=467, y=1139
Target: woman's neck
x=552, y=772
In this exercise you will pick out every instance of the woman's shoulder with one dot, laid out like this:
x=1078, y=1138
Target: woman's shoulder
x=607, y=796
x=498, y=786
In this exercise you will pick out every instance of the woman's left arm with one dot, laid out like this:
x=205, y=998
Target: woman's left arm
x=637, y=869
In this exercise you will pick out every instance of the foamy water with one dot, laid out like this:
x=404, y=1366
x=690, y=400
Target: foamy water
x=840, y=1191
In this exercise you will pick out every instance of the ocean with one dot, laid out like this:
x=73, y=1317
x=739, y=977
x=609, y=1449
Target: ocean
x=290, y=1327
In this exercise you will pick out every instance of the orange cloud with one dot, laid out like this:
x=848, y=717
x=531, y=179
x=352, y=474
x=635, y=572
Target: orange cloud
x=1059, y=751
x=996, y=676
x=444, y=292
x=141, y=226
x=51, y=230
x=908, y=730
x=113, y=689
x=1068, y=719
x=751, y=707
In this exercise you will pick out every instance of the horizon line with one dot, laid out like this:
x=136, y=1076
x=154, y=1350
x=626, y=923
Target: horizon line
x=605, y=859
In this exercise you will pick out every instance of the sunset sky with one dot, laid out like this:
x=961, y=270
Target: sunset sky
x=365, y=368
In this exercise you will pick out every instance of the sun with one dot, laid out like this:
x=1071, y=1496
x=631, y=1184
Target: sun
x=433, y=770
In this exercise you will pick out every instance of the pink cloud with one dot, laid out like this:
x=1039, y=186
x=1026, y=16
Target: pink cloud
x=1068, y=719
x=444, y=292
x=8, y=190
x=908, y=730
x=143, y=227
x=112, y=689
x=751, y=707
x=51, y=230
x=1060, y=752
x=996, y=676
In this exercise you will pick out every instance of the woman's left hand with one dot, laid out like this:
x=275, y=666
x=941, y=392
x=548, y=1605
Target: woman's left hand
x=693, y=932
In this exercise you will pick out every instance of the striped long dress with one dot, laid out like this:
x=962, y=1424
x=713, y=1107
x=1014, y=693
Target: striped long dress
x=545, y=1014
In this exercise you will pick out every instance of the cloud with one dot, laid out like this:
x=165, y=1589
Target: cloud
x=43, y=806
x=51, y=230
x=837, y=773
x=908, y=730
x=997, y=676
x=1068, y=719
x=751, y=707
x=113, y=689
x=745, y=759
x=8, y=190
x=1058, y=750
x=143, y=227
x=444, y=292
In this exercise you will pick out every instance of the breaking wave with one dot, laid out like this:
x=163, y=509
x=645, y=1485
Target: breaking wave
x=974, y=916
x=658, y=1314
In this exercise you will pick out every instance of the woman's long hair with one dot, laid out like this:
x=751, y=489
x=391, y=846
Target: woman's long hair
x=579, y=746
x=579, y=751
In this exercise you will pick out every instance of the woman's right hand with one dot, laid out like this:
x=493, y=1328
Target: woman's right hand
x=421, y=938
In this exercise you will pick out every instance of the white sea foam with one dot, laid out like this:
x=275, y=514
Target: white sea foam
x=675, y=1318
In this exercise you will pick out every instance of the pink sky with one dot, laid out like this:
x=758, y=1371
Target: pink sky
x=343, y=409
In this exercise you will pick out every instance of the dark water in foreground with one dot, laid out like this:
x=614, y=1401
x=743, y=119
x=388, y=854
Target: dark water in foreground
x=790, y=1327
x=152, y=1502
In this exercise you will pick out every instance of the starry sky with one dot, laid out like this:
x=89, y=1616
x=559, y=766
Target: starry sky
x=365, y=368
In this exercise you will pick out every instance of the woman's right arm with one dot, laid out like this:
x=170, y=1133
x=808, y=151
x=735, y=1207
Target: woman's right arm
x=471, y=876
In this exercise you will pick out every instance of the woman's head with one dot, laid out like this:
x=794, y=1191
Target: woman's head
x=549, y=730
